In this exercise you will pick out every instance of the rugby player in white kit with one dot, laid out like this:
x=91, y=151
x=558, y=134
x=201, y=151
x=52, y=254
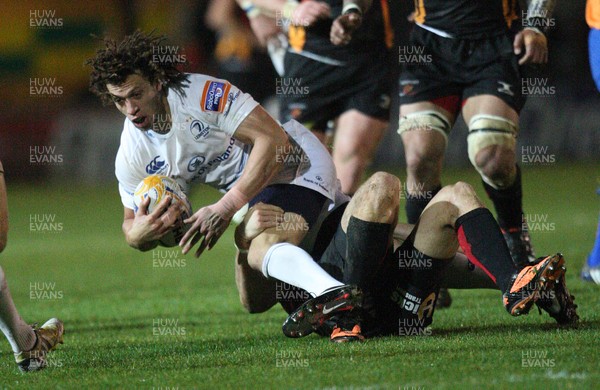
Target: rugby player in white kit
x=198, y=129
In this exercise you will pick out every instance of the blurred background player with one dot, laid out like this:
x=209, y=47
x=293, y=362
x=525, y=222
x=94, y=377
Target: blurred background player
x=268, y=32
x=30, y=344
x=591, y=268
x=347, y=85
x=240, y=57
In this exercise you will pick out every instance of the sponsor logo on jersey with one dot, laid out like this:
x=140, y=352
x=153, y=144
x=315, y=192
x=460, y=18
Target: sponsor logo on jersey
x=316, y=183
x=199, y=130
x=156, y=166
x=213, y=96
x=224, y=156
x=230, y=99
x=195, y=163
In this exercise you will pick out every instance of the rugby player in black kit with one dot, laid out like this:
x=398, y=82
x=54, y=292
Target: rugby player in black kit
x=475, y=61
x=323, y=83
x=463, y=55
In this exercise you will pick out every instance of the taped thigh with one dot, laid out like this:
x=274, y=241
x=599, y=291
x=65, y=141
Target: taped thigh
x=425, y=120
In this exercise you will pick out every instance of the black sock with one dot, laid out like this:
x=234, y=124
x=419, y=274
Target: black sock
x=508, y=203
x=406, y=292
x=415, y=204
x=425, y=272
x=481, y=239
x=417, y=297
x=416, y=309
x=367, y=244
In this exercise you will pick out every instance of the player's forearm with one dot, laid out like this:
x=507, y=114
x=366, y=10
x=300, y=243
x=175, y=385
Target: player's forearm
x=263, y=163
x=538, y=13
x=3, y=211
x=272, y=6
x=268, y=142
x=287, y=7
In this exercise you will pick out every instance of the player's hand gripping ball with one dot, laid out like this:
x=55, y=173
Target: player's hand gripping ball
x=157, y=187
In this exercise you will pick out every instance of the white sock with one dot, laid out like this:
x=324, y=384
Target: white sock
x=20, y=335
x=294, y=266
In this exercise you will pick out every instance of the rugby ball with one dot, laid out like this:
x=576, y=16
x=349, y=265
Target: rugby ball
x=157, y=187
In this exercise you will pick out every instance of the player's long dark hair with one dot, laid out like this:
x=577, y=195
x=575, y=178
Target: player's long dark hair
x=134, y=54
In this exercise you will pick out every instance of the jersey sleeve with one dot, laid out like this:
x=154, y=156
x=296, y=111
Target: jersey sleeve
x=126, y=197
x=125, y=171
x=220, y=103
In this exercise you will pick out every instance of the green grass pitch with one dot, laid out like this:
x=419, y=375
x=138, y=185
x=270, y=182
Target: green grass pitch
x=160, y=320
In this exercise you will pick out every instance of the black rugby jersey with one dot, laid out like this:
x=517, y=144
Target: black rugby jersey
x=467, y=18
x=375, y=35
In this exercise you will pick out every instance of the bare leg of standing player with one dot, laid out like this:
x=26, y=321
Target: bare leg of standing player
x=424, y=134
x=357, y=137
x=492, y=134
x=424, y=128
x=20, y=335
x=493, y=128
x=30, y=346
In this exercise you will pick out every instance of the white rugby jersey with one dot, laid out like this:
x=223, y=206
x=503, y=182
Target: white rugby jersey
x=200, y=147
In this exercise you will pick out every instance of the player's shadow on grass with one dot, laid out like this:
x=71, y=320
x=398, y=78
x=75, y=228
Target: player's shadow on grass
x=512, y=328
x=132, y=323
x=142, y=323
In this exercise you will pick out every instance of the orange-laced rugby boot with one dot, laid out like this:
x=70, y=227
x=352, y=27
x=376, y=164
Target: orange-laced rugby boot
x=342, y=335
x=533, y=281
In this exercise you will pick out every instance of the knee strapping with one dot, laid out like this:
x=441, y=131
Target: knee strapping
x=489, y=130
x=425, y=120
